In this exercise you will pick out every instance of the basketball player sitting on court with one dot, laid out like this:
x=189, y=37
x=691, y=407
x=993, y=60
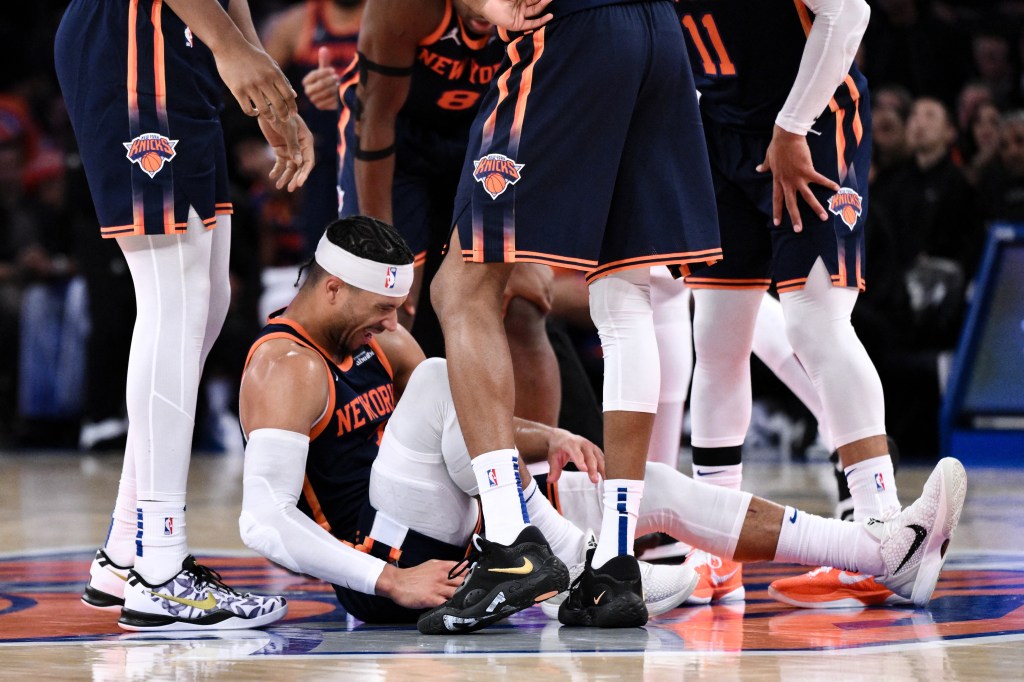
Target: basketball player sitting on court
x=330, y=492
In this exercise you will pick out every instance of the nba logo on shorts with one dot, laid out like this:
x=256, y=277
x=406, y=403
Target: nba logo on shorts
x=150, y=151
x=391, y=278
x=168, y=525
x=492, y=477
x=879, y=482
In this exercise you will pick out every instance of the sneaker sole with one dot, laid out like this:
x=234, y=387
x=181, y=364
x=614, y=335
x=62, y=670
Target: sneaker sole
x=878, y=599
x=551, y=579
x=97, y=599
x=665, y=605
x=951, y=503
x=137, y=621
x=628, y=611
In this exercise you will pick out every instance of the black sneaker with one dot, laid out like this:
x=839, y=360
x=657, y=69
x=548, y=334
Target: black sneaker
x=502, y=580
x=609, y=597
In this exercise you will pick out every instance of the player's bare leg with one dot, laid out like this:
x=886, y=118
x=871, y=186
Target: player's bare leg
x=538, y=393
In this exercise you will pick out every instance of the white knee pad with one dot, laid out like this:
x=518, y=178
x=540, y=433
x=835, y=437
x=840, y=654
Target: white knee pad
x=723, y=333
x=620, y=305
x=818, y=326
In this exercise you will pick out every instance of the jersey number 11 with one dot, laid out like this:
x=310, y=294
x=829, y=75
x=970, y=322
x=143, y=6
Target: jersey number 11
x=725, y=67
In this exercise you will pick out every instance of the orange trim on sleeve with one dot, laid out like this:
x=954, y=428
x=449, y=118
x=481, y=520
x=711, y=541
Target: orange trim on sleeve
x=805, y=16
x=382, y=357
x=471, y=42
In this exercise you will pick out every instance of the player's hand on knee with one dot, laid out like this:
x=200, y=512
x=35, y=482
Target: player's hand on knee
x=788, y=159
x=565, y=447
x=256, y=81
x=532, y=282
x=419, y=587
x=292, y=144
x=321, y=84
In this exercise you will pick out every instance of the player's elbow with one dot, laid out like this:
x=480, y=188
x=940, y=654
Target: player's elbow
x=265, y=539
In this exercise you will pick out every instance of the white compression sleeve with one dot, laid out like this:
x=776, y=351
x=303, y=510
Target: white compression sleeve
x=620, y=305
x=831, y=45
x=670, y=300
x=271, y=523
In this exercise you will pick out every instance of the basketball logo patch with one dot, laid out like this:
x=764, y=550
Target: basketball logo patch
x=496, y=172
x=151, y=151
x=847, y=205
x=390, y=278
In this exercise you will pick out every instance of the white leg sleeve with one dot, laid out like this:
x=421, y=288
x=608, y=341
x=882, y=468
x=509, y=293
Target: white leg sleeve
x=171, y=274
x=723, y=332
x=705, y=516
x=271, y=523
x=772, y=346
x=620, y=305
x=818, y=326
x=422, y=477
x=670, y=300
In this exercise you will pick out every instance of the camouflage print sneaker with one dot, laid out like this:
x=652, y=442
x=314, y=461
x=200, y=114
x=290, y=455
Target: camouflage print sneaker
x=195, y=599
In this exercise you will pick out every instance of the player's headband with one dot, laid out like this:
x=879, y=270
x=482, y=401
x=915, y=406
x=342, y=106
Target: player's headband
x=362, y=273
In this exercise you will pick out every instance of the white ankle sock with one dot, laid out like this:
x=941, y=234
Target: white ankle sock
x=728, y=476
x=564, y=538
x=501, y=495
x=161, y=543
x=618, y=523
x=815, y=541
x=873, y=487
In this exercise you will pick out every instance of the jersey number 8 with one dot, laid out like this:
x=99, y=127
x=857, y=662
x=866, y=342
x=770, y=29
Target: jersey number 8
x=457, y=100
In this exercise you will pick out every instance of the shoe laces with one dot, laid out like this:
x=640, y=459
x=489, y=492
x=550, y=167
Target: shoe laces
x=206, y=576
x=470, y=561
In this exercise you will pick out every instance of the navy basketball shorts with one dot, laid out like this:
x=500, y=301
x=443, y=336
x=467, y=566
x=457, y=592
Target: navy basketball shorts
x=143, y=97
x=588, y=150
x=756, y=252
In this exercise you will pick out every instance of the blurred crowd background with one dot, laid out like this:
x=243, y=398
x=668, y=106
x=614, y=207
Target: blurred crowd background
x=947, y=99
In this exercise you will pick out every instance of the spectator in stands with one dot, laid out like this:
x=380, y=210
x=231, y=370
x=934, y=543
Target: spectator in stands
x=981, y=142
x=1002, y=180
x=993, y=66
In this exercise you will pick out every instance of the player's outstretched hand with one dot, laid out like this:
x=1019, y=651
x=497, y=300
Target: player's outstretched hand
x=533, y=282
x=419, y=587
x=293, y=150
x=788, y=159
x=321, y=84
x=564, y=447
x=256, y=81
x=514, y=15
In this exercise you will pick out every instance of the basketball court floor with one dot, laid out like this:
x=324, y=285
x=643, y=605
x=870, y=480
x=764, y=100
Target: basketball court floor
x=54, y=509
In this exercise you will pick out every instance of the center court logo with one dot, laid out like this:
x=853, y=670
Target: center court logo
x=496, y=172
x=151, y=151
x=847, y=205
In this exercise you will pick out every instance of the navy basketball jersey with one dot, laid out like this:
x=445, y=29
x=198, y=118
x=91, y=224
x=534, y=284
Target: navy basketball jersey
x=745, y=57
x=453, y=69
x=345, y=440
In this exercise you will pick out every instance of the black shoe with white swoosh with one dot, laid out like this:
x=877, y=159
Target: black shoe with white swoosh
x=608, y=597
x=913, y=543
x=502, y=580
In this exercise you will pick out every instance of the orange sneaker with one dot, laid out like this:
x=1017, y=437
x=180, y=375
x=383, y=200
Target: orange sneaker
x=720, y=580
x=830, y=588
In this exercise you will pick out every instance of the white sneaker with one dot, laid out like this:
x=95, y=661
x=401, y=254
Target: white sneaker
x=105, y=589
x=195, y=599
x=665, y=586
x=913, y=542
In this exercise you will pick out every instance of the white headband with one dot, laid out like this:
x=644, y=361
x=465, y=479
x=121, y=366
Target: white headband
x=362, y=273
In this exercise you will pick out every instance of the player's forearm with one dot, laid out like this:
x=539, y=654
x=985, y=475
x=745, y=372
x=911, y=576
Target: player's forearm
x=210, y=23
x=532, y=440
x=831, y=47
x=373, y=187
x=239, y=12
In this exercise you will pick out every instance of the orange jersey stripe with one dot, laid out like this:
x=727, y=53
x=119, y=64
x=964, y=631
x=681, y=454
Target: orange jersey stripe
x=314, y=505
x=439, y=31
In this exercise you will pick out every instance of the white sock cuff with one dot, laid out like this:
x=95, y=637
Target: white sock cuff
x=880, y=462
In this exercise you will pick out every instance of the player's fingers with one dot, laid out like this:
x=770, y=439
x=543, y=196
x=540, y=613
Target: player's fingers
x=812, y=201
x=533, y=24
x=819, y=179
x=306, y=161
x=246, y=100
x=323, y=57
x=776, y=201
x=793, y=209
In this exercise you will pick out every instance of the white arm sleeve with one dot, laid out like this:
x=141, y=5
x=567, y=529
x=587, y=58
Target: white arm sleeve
x=831, y=46
x=271, y=523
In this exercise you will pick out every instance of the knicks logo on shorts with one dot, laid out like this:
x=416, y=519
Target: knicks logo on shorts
x=151, y=151
x=496, y=172
x=391, y=278
x=847, y=205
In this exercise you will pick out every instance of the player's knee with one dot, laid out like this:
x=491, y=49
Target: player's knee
x=429, y=377
x=524, y=323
